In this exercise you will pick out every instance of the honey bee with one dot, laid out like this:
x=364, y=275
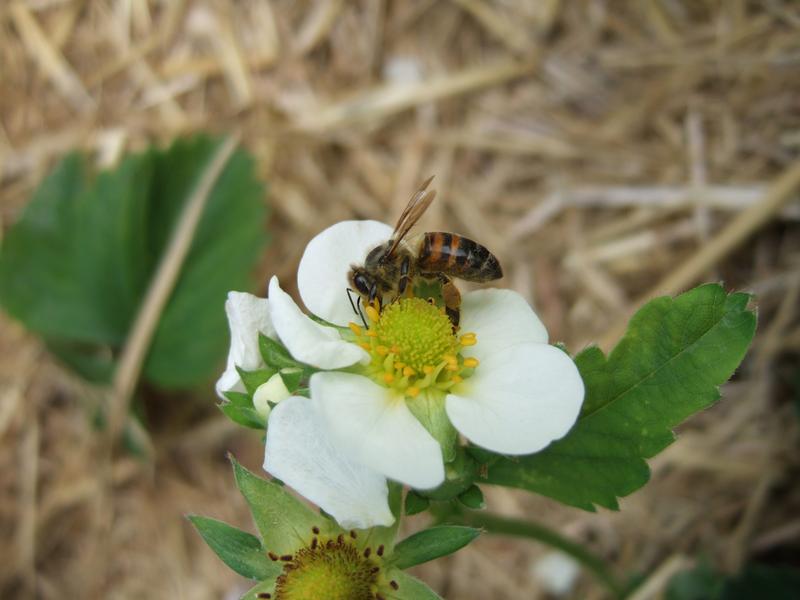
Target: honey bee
x=391, y=269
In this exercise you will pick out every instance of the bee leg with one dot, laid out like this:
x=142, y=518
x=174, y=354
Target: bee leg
x=405, y=277
x=356, y=306
x=452, y=300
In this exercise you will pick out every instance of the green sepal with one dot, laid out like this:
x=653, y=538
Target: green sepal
x=473, y=498
x=283, y=521
x=460, y=474
x=409, y=588
x=240, y=550
x=253, y=379
x=259, y=591
x=415, y=503
x=238, y=398
x=244, y=416
x=292, y=378
x=431, y=544
x=275, y=354
x=429, y=410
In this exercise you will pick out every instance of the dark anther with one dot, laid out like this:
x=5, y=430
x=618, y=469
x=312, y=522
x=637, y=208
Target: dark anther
x=286, y=558
x=266, y=595
x=273, y=556
x=367, y=552
x=314, y=543
x=380, y=550
x=340, y=538
x=394, y=584
x=315, y=530
x=379, y=597
x=353, y=534
x=375, y=569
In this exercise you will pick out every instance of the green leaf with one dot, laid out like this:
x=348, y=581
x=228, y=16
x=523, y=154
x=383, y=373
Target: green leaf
x=285, y=523
x=415, y=503
x=77, y=264
x=238, y=549
x=668, y=366
x=473, y=498
x=432, y=543
x=244, y=416
x=410, y=588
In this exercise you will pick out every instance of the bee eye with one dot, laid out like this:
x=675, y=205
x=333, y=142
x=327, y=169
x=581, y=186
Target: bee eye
x=361, y=283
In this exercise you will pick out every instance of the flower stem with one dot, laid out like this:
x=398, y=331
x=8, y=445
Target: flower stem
x=495, y=524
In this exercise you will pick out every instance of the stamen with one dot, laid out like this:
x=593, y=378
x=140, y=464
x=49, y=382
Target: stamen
x=382, y=350
x=372, y=313
x=468, y=339
x=388, y=377
x=355, y=328
x=412, y=391
x=394, y=584
x=471, y=362
x=408, y=371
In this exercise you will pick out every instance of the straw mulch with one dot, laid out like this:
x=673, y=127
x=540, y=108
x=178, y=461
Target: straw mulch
x=606, y=151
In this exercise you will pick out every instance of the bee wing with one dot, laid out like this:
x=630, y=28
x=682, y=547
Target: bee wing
x=415, y=208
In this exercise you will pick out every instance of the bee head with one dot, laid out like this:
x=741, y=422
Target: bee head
x=360, y=280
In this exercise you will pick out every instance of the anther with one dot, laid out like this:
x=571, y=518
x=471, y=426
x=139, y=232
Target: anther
x=408, y=371
x=388, y=377
x=353, y=534
x=468, y=339
x=372, y=313
x=394, y=584
x=471, y=362
x=413, y=391
x=314, y=543
x=265, y=595
x=340, y=538
x=375, y=569
x=382, y=350
x=450, y=359
x=427, y=369
x=355, y=328
x=367, y=552
x=286, y=558
x=273, y=556
x=379, y=552
x=365, y=346
x=315, y=530
x=456, y=379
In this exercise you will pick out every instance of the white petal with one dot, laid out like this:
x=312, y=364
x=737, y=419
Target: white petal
x=300, y=452
x=248, y=316
x=500, y=319
x=376, y=429
x=306, y=340
x=519, y=400
x=322, y=274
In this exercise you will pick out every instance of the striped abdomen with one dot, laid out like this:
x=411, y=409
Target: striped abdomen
x=457, y=256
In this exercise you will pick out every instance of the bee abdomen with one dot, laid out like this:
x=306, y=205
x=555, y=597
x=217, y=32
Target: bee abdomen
x=457, y=256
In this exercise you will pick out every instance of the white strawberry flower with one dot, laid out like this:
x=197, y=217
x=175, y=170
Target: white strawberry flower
x=498, y=381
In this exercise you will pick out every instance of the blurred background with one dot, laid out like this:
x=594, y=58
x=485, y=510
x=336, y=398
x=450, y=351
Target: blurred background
x=605, y=151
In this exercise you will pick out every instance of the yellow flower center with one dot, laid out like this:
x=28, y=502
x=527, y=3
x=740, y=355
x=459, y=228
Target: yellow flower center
x=413, y=347
x=331, y=569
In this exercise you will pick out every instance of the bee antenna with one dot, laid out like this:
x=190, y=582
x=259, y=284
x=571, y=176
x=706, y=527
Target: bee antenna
x=356, y=307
